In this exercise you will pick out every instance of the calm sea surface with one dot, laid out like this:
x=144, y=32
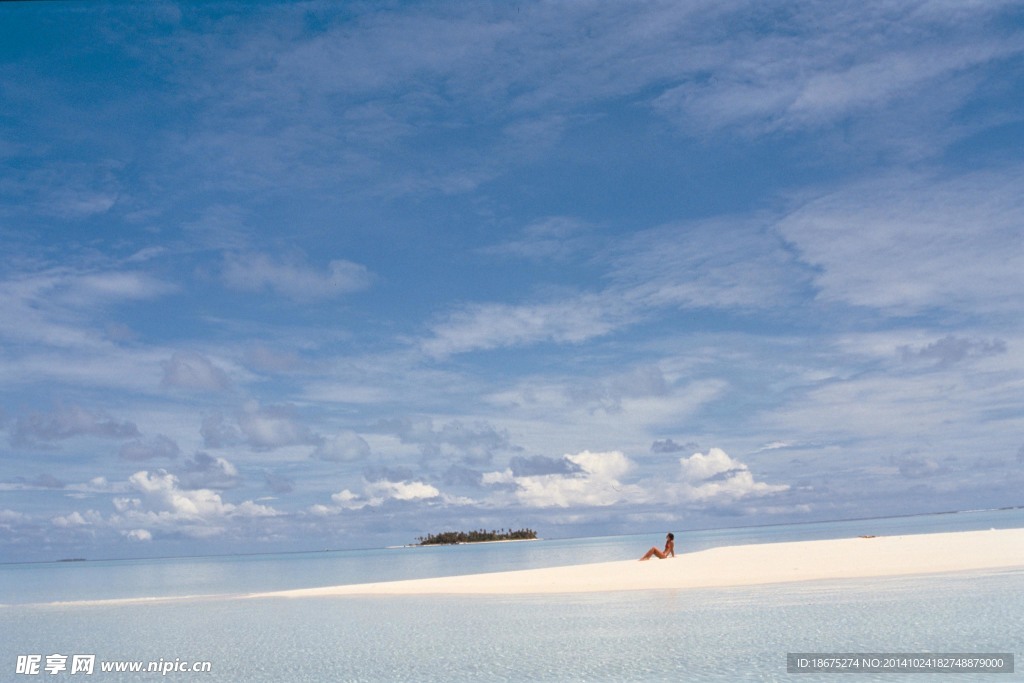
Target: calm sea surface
x=731, y=634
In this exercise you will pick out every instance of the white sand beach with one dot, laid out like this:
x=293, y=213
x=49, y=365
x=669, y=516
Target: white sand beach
x=741, y=565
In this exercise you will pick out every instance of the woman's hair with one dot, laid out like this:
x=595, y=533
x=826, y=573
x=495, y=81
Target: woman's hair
x=671, y=537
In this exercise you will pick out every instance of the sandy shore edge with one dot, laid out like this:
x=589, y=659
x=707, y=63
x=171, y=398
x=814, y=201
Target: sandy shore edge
x=742, y=565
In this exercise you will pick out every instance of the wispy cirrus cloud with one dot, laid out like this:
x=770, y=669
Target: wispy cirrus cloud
x=908, y=243
x=735, y=266
x=499, y=325
x=55, y=306
x=881, y=63
x=292, y=277
x=556, y=238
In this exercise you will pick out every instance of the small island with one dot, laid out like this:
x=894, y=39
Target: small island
x=480, y=536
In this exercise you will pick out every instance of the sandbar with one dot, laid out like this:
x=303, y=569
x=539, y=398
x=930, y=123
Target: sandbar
x=740, y=565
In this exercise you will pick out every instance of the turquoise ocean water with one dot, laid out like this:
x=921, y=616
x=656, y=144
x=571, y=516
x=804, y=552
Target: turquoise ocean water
x=729, y=634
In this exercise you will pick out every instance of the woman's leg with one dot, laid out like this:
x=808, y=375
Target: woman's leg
x=653, y=551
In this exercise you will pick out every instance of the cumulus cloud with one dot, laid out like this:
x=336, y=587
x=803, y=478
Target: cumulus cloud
x=292, y=277
x=163, y=503
x=140, y=535
x=78, y=519
x=349, y=501
x=605, y=479
x=587, y=479
x=717, y=478
x=400, y=490
x=377, y=493
x=194, y=372
x=67, y=422
x=11, y=518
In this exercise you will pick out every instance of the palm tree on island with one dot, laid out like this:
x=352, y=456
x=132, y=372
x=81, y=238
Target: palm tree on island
x=479, y=536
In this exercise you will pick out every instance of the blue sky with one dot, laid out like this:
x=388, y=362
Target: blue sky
x=286, y=276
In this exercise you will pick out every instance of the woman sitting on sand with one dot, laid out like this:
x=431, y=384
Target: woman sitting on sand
x=669, y=551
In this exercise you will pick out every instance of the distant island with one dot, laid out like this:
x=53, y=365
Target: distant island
x=481, y=536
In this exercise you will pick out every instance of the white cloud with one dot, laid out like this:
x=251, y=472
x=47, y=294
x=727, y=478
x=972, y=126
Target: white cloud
x=77, y=519
x=729, y=263
x=497, y=325
x=140, y=535
x=292, y=277
x=906, y=244
x=49, y=305
x=90, y=289
x=596, y=482
x=162, y=503
x=162, y=493
x=717, y=478
x=832, y=66
x=503, y=477
x=9, y=519
x=556, y=238
x=377, y=493
x=348, y=500
x=400, y=490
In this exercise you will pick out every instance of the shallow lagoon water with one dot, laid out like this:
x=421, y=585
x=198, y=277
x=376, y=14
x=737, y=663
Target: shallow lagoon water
x=704, y=635
x=733, y=634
